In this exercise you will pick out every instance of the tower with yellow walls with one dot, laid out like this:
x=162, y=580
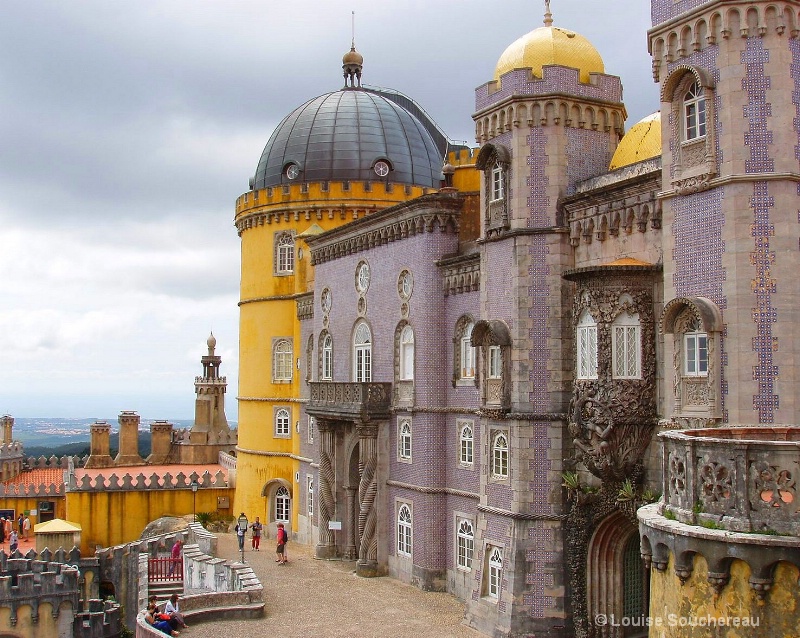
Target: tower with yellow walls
x=335, y=159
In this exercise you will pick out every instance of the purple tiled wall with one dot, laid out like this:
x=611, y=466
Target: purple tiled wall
x=663, y=10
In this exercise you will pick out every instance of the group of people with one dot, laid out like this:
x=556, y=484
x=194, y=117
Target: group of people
x=169, y=620
x=256, y=528
x=7, y=531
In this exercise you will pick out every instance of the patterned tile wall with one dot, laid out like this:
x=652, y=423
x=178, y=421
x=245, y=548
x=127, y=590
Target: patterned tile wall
x=663, y=10
x=539, y=563
x=758, y=140
x=588, y=155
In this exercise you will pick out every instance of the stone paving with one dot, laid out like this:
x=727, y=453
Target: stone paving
x=309, y=597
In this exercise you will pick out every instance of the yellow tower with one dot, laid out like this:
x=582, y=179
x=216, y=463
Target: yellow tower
x=331, y=161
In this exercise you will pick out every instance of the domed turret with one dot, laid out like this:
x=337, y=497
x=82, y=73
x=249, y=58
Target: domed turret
x=641, y=142
x=353, y=134
x=352, y=64
x=550, y=45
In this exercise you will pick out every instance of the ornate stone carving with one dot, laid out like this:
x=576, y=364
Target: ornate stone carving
x=694, y=184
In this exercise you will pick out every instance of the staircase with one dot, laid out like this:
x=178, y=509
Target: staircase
x=164, y=577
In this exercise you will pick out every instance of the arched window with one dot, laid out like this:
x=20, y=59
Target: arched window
x=284, y=254
x=466, y=444
x=282, y=422
x=500, y=456
x=465, y=543
x=498, y=192
x=404, y=528
x=587, y=346
x=495, y=362
x=495, y=571
x=404, y=440
x=282, y=359
x=626, y=346
x=282, y=505
x=326, y=358
x=362, y=354
x=467, y=353
x=695, y=352
x=407, y=354
x=694, y=110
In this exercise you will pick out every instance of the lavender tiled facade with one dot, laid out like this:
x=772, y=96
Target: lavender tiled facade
x=693, y=253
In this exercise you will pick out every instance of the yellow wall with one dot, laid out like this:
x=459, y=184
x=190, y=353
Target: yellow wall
x=117, y=517
x=26, y=504
x=778, y=615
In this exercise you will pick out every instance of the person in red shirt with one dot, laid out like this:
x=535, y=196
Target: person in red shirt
x=280, y=551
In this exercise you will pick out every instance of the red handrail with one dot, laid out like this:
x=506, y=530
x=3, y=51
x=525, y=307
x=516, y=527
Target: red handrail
x=165, y=569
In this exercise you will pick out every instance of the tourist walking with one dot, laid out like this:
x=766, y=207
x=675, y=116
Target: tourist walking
x=256, y=527
x=280, y=550
x=13, y=541
x=175, y=556
x=26, y=528
x=240, y=532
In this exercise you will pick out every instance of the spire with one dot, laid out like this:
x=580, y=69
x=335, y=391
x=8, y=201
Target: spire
x=353, y=61
x=548, y=17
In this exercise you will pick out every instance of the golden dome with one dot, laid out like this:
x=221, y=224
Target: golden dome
x=641, y=142
x=551, y=45
x=353, y=56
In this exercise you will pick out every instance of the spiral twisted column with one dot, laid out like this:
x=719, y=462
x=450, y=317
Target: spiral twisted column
x=367, y=491
x=327, y=483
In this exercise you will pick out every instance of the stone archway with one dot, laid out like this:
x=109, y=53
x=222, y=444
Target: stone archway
x=615, y=583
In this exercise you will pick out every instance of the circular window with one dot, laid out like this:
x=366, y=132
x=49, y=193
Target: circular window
x=362, y=277
x=293, y=171
x=325, y=301
x=381, y=168
x=405, y=284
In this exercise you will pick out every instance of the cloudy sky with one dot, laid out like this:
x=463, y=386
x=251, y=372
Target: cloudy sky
x=128, y=129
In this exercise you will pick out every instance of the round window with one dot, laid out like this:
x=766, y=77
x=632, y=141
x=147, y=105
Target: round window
x=362, y=277
x=293, y=171
x=381, y=168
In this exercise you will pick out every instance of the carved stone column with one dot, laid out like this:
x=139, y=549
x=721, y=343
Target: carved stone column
x=350, y=550
x=326, y=548
x=367, y=491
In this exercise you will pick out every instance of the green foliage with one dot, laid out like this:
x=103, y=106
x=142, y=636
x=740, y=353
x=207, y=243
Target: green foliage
x=711, y=525
x=571, y=481
x=627, y=491
x=124, y=632
x=205, y=518
x=649, y=496
x=698, y=508
x=670, y=515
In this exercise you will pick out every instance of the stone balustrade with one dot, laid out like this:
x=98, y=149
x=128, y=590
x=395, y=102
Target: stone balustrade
x=365, y=401
x=741, y=479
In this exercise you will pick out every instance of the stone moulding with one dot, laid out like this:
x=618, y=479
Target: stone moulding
x=366, y=401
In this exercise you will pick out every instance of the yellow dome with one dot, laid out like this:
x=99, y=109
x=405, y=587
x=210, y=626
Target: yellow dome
x=551, y=45
x=641, y=142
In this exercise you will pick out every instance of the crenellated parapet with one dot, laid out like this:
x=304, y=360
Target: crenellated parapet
x=54, y=462
x=32, y=490
x=140, y=482
x=102, y=619
x=520, y=98
x=11, y=450
x=710, y=24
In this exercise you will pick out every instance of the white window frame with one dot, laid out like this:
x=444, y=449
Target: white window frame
x=405, y=530
x=326, y=371
x=283, y=504
x=495, y=571
x=694, y=113
x=496, y=183
x=310, y=494
x=404, y=440
x=283, y=423
x=495, y=362
x=362, y=353
x=282, y=361
x=407, y=354
x=465, y=543
x=467, y=353
x=284, y=254
x=695, y=343
x=626, y=347
x=312, y=423
x=500, y=456
x=586, y=337
x=466, y=443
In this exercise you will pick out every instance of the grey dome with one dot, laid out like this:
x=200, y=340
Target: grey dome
x=341, y=135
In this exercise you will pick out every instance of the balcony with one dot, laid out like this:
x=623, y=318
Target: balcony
x=350, y=401
x=741, y=479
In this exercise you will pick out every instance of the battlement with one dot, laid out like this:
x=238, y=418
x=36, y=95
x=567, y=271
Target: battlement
x=11, y=450
x=103, y=618
x=141, y=482
x=184, y=436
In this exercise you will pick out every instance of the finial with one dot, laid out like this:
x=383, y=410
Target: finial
x=548, y=17
x=353, y=30
x=353, y=61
